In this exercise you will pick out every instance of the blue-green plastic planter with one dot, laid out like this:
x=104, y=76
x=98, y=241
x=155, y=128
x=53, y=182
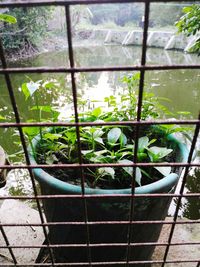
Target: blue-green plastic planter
x=105, y=209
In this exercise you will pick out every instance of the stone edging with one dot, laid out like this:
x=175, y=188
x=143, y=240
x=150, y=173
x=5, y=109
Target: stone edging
x=160, y=39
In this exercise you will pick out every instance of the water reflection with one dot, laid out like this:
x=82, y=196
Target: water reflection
x=191, y=205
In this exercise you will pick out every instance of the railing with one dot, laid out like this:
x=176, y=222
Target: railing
x=83, y=197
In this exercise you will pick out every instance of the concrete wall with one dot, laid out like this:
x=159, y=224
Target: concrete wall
x=161, y=39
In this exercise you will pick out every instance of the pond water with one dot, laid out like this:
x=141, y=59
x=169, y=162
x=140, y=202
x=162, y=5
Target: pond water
x=180, y=87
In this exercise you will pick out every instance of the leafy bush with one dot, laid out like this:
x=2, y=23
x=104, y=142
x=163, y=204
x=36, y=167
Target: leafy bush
x=189, y=24
x=28, y=32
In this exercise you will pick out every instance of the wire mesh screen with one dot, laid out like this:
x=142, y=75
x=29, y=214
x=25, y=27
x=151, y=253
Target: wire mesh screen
x=87, y=225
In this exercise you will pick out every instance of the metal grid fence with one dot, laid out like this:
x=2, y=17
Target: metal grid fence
x=73, y=70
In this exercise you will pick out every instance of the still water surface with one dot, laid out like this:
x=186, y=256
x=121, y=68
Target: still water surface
x=180, y=87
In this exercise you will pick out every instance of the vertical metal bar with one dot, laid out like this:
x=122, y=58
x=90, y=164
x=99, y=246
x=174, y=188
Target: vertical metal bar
x=196, y=133
x=139, y=109
x=8, y=245
x=74, y=92
x=17, y=118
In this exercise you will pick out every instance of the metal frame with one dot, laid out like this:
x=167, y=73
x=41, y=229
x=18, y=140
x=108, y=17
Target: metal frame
x=72, y=69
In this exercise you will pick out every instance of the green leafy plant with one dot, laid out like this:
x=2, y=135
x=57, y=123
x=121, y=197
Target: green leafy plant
x=105, y=144
x=189, y=24
x=27, y=34
x=8, y=18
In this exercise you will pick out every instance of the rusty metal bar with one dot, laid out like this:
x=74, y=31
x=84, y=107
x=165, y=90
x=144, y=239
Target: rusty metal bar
x=30, y=3
x=102, y=223
x=96, y=69
x=107, y=263
x=74, y=93
x=17, y=118
x=47, y=124
x=8, y=245
x=139, y=110
x=103, y=196
x=73, y=70
x=10, y=167
x=164, y=244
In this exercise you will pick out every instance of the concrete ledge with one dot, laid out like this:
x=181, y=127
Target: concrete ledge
x=160, y=39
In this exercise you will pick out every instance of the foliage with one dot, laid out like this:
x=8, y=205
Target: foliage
x=189, y=24
x=107, y=143
x=29, y=30
x=8, y=18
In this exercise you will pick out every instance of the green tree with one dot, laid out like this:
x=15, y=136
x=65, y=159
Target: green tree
x=25, y=35
x=189, y=24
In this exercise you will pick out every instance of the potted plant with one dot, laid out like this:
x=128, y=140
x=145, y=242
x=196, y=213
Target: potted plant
x=101, y=145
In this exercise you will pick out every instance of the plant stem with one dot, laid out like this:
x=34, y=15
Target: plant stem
x=40, y=112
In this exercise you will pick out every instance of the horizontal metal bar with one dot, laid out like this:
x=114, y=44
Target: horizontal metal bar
x=123, y=123
x=157, y=244
x=97, y=165
x=106, y=263
x=98, y=223
x=96, y=69
x=161, y=195
x=19, y=3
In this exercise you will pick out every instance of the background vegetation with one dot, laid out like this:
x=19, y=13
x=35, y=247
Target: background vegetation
x=27, y=34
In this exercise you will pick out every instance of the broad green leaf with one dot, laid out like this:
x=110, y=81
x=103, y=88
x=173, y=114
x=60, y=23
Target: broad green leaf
x=32, y=87
x=141, y=156
x=98, y=133
x=100, y=152
x=123, y=139
x=25, y=90
x=98, y=159
x=155, y=153
x=85, y=152
x=2, y=118
x=29, y=88
x=99, y=140
x=31, y=131
x=143, y=143
x=8, y=18
x=125, y=153
x=138, y=176
x=113, y=135
x=96, y=112
x=70, y=136
x=129, y=170
x=107, y=171
x=187, y=9
x=152, y=141
x=163, y=170
x=52, y=136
